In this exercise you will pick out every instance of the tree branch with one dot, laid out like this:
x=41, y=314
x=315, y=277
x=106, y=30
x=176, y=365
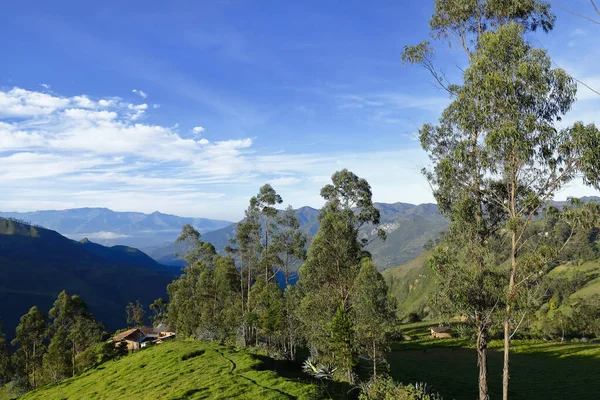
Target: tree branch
x=582, y=15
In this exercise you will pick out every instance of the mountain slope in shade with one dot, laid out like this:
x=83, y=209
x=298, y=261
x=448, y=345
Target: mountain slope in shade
x=109, y=227
x=37, y=263
x=408, y=227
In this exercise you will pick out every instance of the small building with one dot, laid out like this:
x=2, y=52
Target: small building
x=132, y=337
x=441, y=332
x=163, y=330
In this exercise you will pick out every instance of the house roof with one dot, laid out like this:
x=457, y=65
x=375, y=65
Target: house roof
x=441, y=329
x=162, y=328
x=131, y=334
x=147, y=330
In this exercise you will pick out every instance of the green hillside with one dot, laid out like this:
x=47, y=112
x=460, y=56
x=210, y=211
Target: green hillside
x=182, y=370
x=411, y=284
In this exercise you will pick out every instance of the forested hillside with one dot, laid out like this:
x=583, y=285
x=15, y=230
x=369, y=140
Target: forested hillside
x=36, y=264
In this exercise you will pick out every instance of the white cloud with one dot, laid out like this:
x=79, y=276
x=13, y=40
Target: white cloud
x=67, y=155
x=142, y=94
x=104, y=235
x=45, y=86
x=198, y=129
x=137, y=110
x=23, y=103
x=578, y=32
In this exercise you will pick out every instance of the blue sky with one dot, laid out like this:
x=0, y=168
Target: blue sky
x=189, y=107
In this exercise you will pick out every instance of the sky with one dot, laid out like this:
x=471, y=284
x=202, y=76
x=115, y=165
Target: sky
x=188, y=107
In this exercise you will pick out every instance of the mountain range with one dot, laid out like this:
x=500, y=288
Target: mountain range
x=36, y=264
x=109, y=227
x=408, y=227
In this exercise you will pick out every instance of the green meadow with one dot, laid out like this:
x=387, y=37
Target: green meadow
x=539, y=370
x=183, y=370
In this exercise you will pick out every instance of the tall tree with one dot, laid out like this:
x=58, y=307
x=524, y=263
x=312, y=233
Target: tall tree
x=289, y=243
x=247, y=247
x=57, y=361
x=374, y=314
x=30, y=336
x=159, y=308
x=135, y=314
x=79, y=330
x=328, y=275
x=477, y=140
x=266, y=200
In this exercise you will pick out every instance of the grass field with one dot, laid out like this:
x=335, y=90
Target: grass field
x=198, y=370
x=184, y=370
x=544, y=371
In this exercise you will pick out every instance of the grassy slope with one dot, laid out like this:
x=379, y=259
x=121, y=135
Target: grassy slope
x=540, y=370
x=211, y=372
x=591, y=269
x=411, y=284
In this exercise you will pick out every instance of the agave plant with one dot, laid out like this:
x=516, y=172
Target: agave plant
x=425, y=388
x=318, y=370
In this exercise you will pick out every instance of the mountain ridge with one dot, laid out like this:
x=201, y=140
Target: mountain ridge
x=110, y=227
x=37, y=263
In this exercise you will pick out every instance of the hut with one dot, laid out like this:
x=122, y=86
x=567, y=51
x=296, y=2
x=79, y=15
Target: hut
x=441, y=332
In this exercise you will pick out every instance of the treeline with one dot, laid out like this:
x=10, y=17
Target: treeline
x=338, y=310
x=49, y=348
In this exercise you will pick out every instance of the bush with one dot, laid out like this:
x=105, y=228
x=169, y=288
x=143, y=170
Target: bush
x=413, y=317
x=385, y=388
x=98, y=354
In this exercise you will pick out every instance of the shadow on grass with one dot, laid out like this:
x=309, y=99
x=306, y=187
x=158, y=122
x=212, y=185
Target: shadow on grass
x=548, y=371
x=293, y=370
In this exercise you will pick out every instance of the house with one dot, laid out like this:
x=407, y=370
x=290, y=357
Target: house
x=163, y=330
x=132, y=337
x=138, y=338
x=441, y=332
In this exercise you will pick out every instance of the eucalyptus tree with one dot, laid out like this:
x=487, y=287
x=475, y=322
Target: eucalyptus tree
x=498, y=155
x=206, y=299
x=73, y=328
x=373, y=314
x=159, y=308
x=265, y=202
x=289, y=243
x=328, y=275
x=30, y=341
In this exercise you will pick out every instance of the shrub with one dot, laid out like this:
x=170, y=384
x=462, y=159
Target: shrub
x=413, y=317
x=385, y=388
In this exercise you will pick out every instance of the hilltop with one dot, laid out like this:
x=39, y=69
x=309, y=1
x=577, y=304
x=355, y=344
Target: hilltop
x=37, y=263
x=184, y=370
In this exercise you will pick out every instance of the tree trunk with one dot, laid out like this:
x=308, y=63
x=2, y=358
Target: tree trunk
x=511, y=288
x=482, y=362
x=374, y=361
x=505, y=373
x=73, y=358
